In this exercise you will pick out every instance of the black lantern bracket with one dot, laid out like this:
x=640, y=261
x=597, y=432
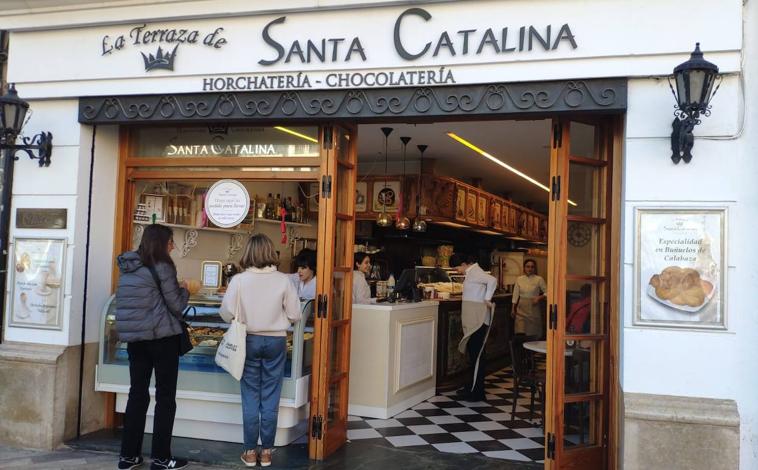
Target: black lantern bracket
x=13, y=112
x=41, y=143
x=693, y=88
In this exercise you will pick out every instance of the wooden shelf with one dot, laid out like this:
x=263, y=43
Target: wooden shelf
x=292, y=224
x=189, y=227
x=224, y=230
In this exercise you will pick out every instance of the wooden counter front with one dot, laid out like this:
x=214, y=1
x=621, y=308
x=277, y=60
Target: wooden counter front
x=452, y=366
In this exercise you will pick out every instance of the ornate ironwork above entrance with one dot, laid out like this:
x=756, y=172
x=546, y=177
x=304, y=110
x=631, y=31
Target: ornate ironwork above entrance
x=607, y=95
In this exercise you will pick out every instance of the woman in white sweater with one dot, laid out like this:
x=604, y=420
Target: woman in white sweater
x=268, y=304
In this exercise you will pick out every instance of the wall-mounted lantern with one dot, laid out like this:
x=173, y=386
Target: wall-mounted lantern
x=694, y=89
x=12, y=114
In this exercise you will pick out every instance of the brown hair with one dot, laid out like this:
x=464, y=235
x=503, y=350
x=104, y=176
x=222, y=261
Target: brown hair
x=153, y=248
x=259, y=253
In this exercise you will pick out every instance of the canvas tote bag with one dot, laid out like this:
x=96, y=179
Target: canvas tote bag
x=231, y=351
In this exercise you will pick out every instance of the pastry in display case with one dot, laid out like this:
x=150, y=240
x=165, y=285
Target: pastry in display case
x=205, y=389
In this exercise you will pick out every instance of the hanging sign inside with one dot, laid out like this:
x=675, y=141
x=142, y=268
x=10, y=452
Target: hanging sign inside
x=227, y=203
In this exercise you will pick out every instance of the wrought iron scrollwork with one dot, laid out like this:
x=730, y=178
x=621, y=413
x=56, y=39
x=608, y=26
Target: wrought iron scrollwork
x=459, y=100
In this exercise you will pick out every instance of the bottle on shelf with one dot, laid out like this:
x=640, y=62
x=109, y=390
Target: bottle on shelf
x=277, y=206
x=289, y=208
x=269, y=207
x=390, y=284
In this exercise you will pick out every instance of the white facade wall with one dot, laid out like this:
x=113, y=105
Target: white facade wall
x=635, y=39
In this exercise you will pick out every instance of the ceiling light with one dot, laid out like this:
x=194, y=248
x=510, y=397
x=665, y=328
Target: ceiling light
x=481, y=152
x=296, y=134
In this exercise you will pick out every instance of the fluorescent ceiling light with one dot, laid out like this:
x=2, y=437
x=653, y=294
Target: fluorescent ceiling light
x=481, y=152
x=296, y=134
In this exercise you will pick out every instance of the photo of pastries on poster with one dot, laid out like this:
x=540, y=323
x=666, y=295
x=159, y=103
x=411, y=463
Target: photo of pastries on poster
x=681, y=287
x=680, y=267
x=37, y=282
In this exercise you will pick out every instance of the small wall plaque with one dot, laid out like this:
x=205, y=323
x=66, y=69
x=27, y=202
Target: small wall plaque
x=41, y=218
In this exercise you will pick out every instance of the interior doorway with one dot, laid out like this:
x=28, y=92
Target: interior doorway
x=562, y=171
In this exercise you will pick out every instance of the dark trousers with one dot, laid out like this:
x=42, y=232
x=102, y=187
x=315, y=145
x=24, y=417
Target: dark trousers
x=473, y=348
x=161, y=355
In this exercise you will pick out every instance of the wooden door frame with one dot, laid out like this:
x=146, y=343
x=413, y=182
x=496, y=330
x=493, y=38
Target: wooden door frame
x=612, y=128
x=324, y=445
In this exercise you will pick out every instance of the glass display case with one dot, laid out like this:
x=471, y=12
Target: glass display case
x=198, y=372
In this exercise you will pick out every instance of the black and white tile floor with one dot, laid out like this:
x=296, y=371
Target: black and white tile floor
x=460, y=427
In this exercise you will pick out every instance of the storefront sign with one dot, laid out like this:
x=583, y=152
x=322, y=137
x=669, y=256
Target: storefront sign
x=41, y=218
x=680, y=268
x=164, y=37
x=37, y=283
x=227, y=203
x=416, y=36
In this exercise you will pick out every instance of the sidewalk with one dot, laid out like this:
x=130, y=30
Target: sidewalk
x=63, y=458
x=100, y=451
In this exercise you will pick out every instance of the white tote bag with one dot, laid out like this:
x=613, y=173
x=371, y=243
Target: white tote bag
x=231, y=352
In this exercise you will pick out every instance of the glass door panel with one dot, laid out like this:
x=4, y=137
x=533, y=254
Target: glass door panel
x=329, y=389
x=576, y=423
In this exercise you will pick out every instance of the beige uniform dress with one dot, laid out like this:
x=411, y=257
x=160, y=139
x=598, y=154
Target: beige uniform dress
x=528, y=314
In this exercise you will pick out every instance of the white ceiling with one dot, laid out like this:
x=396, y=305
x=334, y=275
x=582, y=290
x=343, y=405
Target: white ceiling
x=523, y=145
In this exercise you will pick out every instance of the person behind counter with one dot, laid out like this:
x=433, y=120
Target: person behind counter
x=268, y=303
x=361, y=266
x=528, y=291
x=476, y=317
x=149, y=306
x=304, y=279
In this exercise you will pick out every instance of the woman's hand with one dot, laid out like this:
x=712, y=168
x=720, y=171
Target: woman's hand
x=513, y=312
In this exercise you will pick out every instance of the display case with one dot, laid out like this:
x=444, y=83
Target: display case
x=200, y=380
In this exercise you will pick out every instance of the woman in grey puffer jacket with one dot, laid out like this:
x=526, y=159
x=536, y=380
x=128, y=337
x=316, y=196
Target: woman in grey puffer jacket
x=148, y=319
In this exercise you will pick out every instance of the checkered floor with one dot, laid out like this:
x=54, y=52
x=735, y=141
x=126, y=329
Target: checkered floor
x=448, y=425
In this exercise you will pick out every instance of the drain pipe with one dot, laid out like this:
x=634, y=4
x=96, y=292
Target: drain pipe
x=86, y=277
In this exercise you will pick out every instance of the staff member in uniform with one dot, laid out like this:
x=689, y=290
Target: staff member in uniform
x=476, y=317
x=361, y=289
x=527, y=293
x=304, y=279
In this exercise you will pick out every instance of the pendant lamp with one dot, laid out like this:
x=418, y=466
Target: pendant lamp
x=384, y=219
x=419, y=224
x=402, y=223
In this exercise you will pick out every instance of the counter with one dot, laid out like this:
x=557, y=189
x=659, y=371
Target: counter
x=451, y=364
x=393, y=357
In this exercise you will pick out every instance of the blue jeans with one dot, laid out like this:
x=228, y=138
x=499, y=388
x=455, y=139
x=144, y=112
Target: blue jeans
x=261, y=386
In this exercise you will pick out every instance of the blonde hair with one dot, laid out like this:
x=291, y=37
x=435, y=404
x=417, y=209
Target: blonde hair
x=259, y=253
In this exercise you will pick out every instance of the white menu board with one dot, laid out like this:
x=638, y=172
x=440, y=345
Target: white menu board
x=37, y=284
x=227, y=203
x=680, y=268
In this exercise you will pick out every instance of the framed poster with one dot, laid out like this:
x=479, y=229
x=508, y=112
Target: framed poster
x=471, y=206
x=481, y=209
x=37, y=283
x=211, y=274
x=496, y=209
x=460, y=203
x=680, y=268
x=361, y=196
x=385, y=195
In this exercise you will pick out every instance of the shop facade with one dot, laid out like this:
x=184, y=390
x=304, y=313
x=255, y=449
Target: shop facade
x=108, y=72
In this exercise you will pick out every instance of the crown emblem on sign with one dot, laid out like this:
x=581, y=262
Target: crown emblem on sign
x=161, y=60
